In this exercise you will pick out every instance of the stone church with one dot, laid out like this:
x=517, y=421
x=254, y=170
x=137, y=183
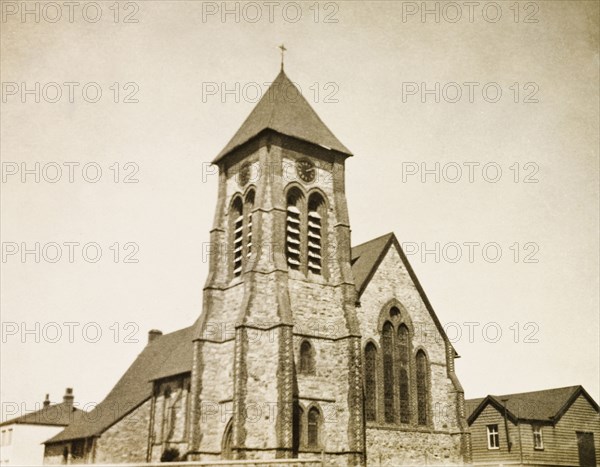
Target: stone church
x=306, y=347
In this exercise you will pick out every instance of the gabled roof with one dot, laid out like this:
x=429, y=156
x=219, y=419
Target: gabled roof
x=366, y=258
x=166, y=355
x=56, y=415
x=283, y=109
x=547, y=405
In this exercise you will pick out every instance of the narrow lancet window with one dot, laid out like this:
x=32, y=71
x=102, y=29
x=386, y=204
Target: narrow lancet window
x=370, y=382
x=307, y=359
x=314, y=418
x=422, y=390
x=387, y=348
x=403, y=383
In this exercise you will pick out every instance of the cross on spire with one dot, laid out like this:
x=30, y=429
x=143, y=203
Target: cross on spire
x=283, y=50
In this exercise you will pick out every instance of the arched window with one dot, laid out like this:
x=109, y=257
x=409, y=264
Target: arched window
x=227, y=449
x=387, y=348
x=249, y=205
x=422, y=389
x=293, y=228
x=307, y=358
x=298, y=435
x=314, y=232
x=237, y=225
x=403, y=382
x=370, y=382
x=314, y=419
x=403, y=345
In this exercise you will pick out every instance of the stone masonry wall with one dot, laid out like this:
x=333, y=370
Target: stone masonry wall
x=127, y=440
x=388, y=447
x=410, y=444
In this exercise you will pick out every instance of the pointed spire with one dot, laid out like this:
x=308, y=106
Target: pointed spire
x=283, y=109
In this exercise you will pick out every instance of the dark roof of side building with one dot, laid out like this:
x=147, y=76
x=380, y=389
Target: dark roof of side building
x=61, y=414
x=167, y=355
x=286, y=112
x=171, y=354
x=547, y=405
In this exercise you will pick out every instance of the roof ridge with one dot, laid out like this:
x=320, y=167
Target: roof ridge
x=536, y=391
x=30, y=418
x=389, y=234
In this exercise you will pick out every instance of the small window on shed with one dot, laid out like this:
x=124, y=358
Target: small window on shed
x=493, y=437
x=538, y=440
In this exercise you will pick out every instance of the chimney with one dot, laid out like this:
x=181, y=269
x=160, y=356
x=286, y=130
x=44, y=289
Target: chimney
x=47, y=400
x=68, y=397
x=153, y=334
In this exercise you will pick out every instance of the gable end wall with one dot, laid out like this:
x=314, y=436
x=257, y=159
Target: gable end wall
x=442, y=441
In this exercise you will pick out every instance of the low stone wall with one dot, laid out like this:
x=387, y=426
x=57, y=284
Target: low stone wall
x=390, y=447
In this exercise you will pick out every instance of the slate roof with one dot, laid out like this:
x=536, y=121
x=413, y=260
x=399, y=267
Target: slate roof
x=365, y=258
x=283, y=109
x=55, y=415
x=546, y=405
x=167, y=355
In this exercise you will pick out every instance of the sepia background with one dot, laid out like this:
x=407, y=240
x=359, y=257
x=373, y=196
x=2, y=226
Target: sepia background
x=544, y=300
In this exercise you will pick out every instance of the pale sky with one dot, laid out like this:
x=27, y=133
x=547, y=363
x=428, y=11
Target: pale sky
x=370, y=58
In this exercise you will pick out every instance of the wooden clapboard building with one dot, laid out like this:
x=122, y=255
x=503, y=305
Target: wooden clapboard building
x=559, y=427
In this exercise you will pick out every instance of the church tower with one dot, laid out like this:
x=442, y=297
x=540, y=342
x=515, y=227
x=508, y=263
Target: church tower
x=277, y=369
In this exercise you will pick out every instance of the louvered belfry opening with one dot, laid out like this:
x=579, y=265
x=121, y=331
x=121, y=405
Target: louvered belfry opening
x=249, y=206
x=314, y=233
x=293, y=234
x=238, y=235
